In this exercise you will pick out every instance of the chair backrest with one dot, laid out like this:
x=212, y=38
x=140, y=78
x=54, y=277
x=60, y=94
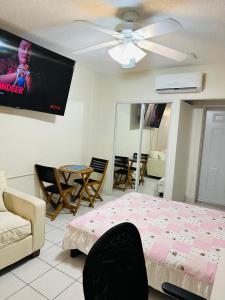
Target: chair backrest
x=143, y=156
x=121, y=161
x=99, y=165
x=46, y=174
x=115, y=266
x=3, y=180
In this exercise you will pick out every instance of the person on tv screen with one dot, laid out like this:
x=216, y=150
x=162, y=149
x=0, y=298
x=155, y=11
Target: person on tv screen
x=15, y=69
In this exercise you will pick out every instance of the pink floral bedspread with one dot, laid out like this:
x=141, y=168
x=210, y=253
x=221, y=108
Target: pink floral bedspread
x=174, y=234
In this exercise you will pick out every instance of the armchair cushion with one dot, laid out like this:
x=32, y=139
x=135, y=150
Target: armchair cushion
x=30, y=208
x=12, y=228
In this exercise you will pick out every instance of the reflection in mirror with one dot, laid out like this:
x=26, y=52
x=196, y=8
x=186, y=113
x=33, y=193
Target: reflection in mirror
x=154, y=149
x=141, y=128
x=127, y=140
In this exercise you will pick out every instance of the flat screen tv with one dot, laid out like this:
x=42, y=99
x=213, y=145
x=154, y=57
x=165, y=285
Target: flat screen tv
x=154, y=114
x=32, y=77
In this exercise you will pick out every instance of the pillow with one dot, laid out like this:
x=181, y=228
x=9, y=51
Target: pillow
x=2, y=205
x=154, y=154
x=162, y=155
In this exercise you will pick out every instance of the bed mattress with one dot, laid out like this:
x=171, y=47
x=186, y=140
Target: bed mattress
x=181, y=242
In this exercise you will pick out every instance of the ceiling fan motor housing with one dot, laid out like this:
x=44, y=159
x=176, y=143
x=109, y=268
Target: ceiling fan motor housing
x=130, y=16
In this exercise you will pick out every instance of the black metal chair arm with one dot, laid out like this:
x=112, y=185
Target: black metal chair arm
x=179, y=293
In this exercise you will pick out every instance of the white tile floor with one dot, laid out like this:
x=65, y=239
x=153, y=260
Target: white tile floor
x=54, y=274
x=148, y=188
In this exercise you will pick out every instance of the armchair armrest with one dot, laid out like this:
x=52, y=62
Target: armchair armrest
x=179, y=293
x=30, y=208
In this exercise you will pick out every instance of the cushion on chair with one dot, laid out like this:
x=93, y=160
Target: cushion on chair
x=13, y=228
x=2, y=205
x=122, y=171
x=81, y=182
x=54, y=189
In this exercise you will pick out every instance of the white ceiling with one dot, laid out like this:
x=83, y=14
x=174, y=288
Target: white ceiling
x=50, y=24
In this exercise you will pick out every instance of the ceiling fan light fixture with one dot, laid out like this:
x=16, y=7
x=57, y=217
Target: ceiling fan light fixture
x=127, y=54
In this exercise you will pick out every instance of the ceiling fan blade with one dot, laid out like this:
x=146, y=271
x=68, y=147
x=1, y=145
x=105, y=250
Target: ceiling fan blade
x=162, y=50
x=96, y=47
x=160, y=28
x=99, y=28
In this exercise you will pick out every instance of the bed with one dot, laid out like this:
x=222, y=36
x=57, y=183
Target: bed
x=181, y=242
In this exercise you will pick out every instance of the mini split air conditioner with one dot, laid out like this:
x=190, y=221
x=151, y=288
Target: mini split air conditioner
x=179, y=83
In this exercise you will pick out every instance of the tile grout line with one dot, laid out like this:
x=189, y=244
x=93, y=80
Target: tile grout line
x=17, y=290
x=65, y=289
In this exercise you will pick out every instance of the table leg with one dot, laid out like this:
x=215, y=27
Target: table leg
x=86, y=189
x=66, y=178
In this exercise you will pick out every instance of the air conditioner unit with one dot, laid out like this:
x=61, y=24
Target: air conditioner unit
x=179, y=83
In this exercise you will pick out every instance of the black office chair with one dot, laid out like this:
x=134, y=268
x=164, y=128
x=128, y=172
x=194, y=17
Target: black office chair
x=115, y=268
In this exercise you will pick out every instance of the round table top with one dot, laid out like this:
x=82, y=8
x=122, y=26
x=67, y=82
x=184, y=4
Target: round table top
x=76, y=169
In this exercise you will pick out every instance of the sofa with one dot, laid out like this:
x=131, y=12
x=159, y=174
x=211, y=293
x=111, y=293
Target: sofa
x=156, y=164
x=22, y=224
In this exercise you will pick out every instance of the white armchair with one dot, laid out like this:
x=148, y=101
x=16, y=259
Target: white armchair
x=22, y=225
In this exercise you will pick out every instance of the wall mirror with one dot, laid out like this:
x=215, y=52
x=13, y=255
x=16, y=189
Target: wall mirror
x=140, y=148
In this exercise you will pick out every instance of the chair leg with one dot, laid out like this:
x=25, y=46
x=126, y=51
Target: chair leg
x=66, y=203
x=57, y=207
x=91, y=199
x=96, y=193
x=54, y=214
x=35, y=254
x=126, y=182
x=75, y=252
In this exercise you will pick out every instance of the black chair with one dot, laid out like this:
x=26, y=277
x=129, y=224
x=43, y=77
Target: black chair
x=143, y=165
x=51, y=185
x=94, y=185
x=179, y=293
x=115, y=268
x=143, y=156
x=122, y=173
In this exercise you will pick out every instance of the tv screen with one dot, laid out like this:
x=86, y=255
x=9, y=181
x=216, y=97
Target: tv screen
x=32, y=77
x=154, y=114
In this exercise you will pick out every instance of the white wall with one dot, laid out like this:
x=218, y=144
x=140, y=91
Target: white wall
x=139, y=86
x=131, y=136
x=182, y=151
x=124, y=133
x=194, y=153
x=153, y=138
x=29, y=137
x=196, y=136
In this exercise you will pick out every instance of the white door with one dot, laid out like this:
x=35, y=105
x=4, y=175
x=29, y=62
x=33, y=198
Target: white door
x=212, y=172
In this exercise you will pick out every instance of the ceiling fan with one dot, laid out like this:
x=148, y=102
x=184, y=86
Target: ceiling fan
x=129, y=42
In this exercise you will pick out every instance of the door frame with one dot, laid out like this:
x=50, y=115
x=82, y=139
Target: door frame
x=205, y=109
x=140, y=132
